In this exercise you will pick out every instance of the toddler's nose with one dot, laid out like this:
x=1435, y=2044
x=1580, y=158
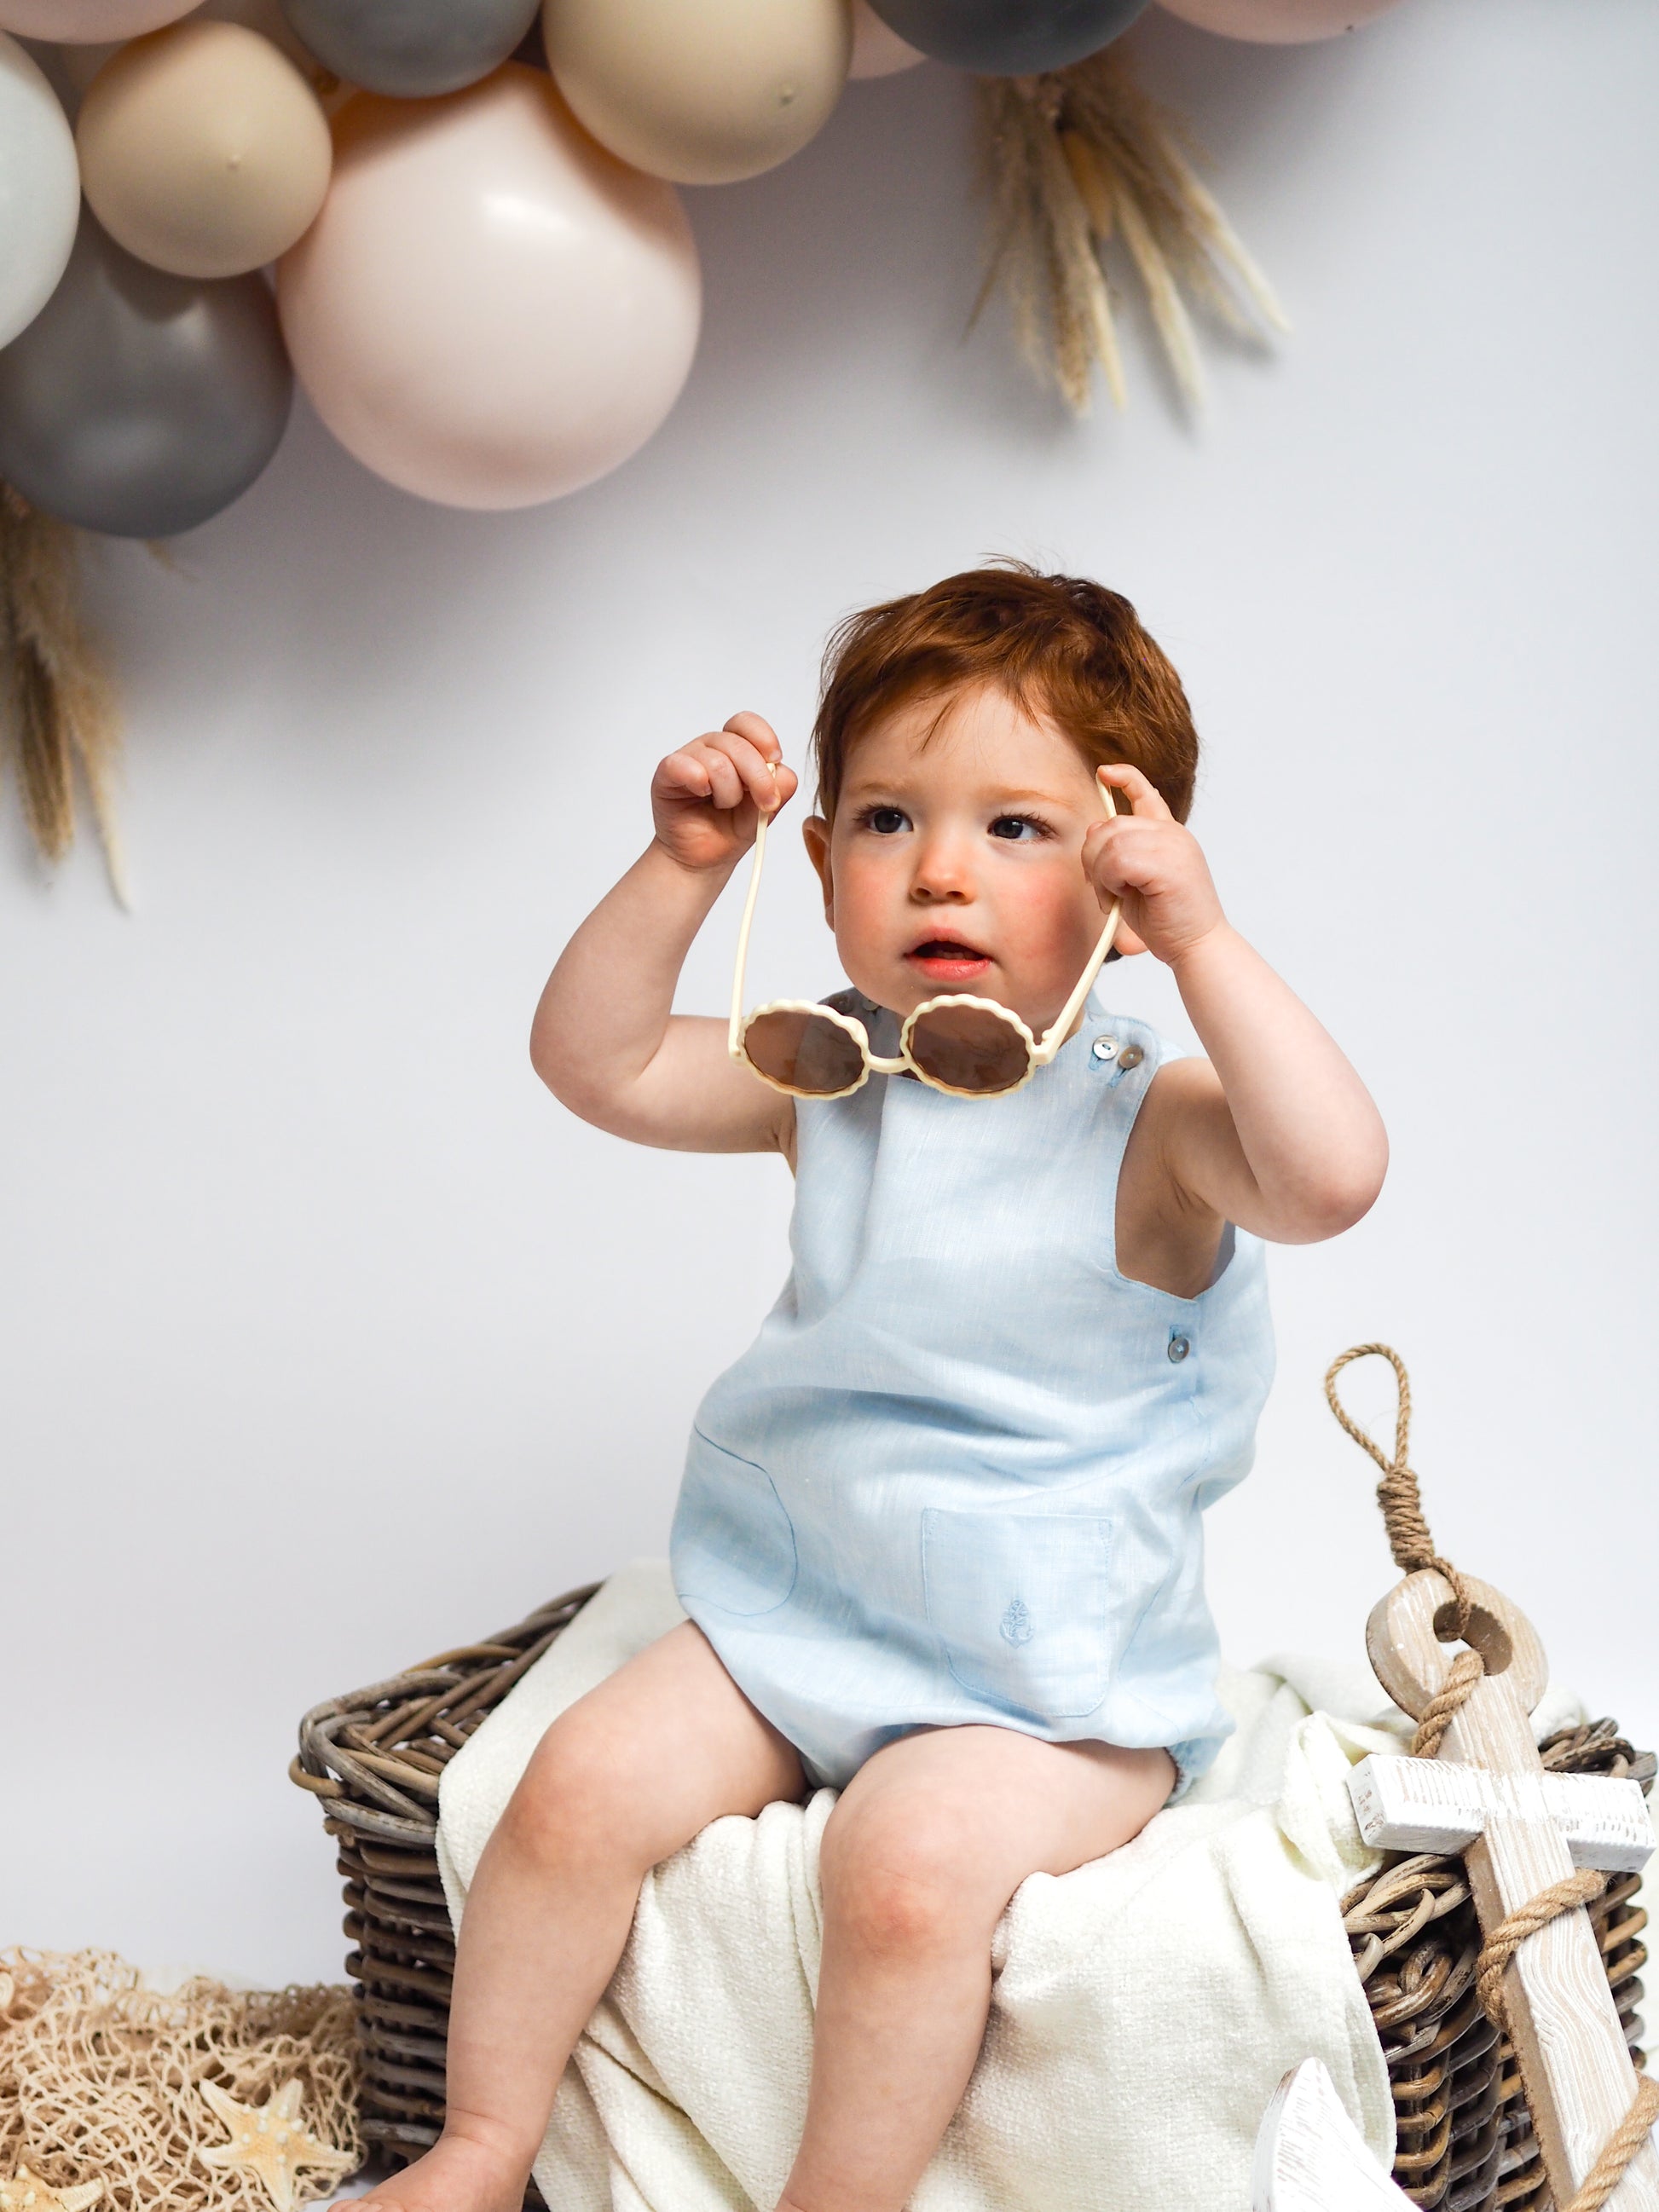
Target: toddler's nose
x=941, y=875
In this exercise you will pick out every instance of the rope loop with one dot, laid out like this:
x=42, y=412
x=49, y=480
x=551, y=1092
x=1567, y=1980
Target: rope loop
x=1398, y=1494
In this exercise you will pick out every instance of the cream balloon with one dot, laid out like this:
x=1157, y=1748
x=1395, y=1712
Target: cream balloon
x=88, y=22
x=40, y=190
x=490, y=310
x=702, y=91
x=204, y=150
x=877, y=52
x=1277, y=23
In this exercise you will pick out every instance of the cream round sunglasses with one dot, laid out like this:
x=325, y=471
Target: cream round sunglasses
x=967, y=1047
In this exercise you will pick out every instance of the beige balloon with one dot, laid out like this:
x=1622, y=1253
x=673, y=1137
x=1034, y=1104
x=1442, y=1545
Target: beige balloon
x=1278, y=22
x=204, y=150
x=702, y=91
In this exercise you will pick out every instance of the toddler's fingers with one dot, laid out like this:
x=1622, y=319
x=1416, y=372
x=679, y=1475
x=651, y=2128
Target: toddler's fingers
x=726, y=782
x=767, y=781
x=1097, y=845
x=683, y=774
x=1145, y=798
x=759, y=732
x=1118, y=855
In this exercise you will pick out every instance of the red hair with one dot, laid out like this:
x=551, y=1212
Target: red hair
x=1061, y=646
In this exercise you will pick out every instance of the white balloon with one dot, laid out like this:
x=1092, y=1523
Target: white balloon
x=40, y=190
x=877, y=52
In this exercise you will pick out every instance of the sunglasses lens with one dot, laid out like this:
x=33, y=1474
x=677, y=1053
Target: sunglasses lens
x=804, y=1053
x=969, y=1048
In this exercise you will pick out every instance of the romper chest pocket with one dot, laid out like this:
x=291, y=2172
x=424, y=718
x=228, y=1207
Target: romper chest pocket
x=733, y=1543
x=1021, y=1602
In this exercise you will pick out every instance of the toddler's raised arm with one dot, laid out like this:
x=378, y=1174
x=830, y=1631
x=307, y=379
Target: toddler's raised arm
x=1276, y=1132
x=605, y=1040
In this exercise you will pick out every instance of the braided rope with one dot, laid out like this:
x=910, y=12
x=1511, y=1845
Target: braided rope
x=1466, y=1671
x=1506, y=1939
x=1412, y=1548
x=1621, y=2147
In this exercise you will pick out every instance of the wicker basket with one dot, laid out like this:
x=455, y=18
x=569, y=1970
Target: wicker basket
x=374, y=1759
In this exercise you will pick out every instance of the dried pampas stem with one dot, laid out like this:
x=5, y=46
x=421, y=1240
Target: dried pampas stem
x=57, y=704
x=1080, y=156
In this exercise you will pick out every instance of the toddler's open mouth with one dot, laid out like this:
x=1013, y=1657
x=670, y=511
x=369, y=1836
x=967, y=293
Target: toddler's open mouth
x=947, y=960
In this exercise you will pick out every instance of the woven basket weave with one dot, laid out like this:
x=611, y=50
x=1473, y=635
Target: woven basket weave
x=374, y=1758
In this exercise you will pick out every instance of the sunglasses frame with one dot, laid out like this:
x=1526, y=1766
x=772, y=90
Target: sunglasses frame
x=1039, y=1051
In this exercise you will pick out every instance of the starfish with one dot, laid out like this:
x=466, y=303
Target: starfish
x=27, y=2192
x=269, y=2140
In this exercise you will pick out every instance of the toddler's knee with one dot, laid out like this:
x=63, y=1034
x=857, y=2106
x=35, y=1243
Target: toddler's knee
x=909, y=1886
x=579, y=1802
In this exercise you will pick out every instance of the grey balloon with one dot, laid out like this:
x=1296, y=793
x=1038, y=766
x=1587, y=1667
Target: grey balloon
x=1008, y=38
x=140, y=403
x=410, y=49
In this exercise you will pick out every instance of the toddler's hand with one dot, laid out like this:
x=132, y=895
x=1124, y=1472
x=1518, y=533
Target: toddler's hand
x=1154, y=864
x=707, y=798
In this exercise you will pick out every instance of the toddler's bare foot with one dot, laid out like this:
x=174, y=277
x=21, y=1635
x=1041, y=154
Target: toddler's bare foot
x=458, y=2175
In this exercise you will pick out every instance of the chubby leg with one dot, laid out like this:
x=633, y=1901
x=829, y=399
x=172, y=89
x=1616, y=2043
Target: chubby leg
x=619, y=1782
x=927, y=1845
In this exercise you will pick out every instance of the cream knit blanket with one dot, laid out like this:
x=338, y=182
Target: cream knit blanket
x=1145, y=2006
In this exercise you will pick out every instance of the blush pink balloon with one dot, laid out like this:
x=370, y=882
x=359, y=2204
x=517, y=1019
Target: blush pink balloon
x=89, y=23
x=490, y=309
x=877, y=52
x=1277, y=23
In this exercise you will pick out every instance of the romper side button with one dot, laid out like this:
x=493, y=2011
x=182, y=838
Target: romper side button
x=1130, y=1056
x=1105, y=1047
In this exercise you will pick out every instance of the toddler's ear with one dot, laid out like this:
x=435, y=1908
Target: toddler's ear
x=815, y=830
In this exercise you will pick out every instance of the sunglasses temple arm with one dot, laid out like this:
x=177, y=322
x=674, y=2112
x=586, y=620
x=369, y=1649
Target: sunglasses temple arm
x=734, y=1030
x=1086, y=982
x=1062, y=1027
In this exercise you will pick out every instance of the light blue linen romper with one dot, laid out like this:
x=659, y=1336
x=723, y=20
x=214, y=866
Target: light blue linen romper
x=959, y=1475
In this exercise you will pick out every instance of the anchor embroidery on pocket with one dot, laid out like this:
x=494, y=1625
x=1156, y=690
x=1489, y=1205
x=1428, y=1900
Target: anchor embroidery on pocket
x=1016, y=1623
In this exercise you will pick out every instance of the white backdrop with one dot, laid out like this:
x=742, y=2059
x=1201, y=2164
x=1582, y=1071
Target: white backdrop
x=328, y=1339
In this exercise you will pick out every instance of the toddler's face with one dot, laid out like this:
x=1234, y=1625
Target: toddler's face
x=954, y=862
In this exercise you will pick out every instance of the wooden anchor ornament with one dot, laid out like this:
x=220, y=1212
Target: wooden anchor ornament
x=1537, y=1848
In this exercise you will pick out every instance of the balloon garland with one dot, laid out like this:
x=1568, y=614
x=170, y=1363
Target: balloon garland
x=486, y=282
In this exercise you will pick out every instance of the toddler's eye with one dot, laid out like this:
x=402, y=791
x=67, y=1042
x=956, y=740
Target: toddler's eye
x=1018, y=828
x=885, y=821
